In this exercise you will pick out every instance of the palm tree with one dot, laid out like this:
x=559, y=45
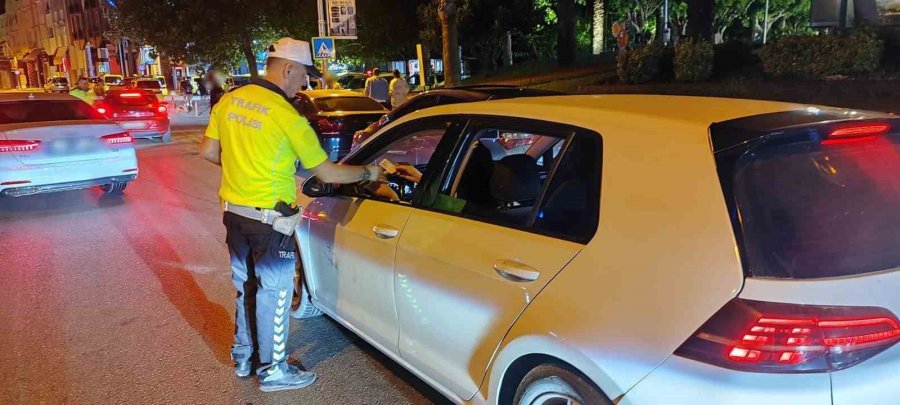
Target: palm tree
x=447, y=12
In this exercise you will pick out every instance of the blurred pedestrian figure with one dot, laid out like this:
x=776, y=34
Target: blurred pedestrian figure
x=331, y=82
x=398, y=89
x=202, y=87
x=377, y=88
x=216, y=91
x=83, y=91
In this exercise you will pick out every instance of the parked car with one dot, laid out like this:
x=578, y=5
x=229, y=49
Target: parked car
x=639, y=250
x=357, y=81
x=462, y=94
x=51, y=142
x=112, y=82
x=138, y=111
x=162, y=82
x=336, y=115
x=147, y=84
x=57, y=85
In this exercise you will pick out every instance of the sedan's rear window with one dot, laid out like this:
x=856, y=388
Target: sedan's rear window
x=17, y=112
x=149, y=84
x=813, y=209
x=112, y=80
x=330, y=104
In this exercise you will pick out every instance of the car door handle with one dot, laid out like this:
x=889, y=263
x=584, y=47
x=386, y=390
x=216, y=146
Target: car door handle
x=385, y=232
x=515, y=271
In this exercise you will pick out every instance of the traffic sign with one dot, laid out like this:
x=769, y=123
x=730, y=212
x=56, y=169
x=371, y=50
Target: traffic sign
x=323, y=48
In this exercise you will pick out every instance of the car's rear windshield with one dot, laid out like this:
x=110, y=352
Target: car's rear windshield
x=60, y=80
x=149, y=84
x=809, y=208
x=133, y=99
x=17, y=112
x=329, y=104
x=112, y=80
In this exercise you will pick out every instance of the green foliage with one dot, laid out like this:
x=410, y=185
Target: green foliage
x=855, y=52
x=640, y=65
x=693, y=60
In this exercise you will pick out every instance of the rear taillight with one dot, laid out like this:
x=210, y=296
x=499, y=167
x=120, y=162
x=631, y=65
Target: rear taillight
x=18, y=146
x=330, y=127
x=791, y=338
x=856, y=132
x=117, y=139
x=162, y=109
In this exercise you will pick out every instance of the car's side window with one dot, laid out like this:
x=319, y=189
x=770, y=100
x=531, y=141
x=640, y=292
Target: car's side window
x=539, y=177
x=412, y=144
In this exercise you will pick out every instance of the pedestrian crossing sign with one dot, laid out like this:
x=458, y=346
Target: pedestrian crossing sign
x=323, y=47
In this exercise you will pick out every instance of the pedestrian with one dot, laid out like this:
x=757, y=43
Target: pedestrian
x=256, y=135
x=331, y=82
x=187, y=91
x=377, y=88
x=83, y=91
x=398, y=89
x=216, y=91
x=201, y=87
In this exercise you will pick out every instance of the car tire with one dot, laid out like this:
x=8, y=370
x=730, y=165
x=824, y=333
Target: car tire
x=167, y=137
x=113, y=188
x=551, y=384
x=302, y=306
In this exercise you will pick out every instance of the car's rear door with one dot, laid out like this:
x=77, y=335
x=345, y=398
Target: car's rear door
x=486, y=243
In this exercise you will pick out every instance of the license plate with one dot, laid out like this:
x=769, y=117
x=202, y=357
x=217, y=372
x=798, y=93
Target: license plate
x=134, y=124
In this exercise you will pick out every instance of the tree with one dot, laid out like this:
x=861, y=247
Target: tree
x=566, y=39
x=700, y=19
x=730, y=12
x=447, y=12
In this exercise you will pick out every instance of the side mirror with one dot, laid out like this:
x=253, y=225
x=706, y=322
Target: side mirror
x=315, y=188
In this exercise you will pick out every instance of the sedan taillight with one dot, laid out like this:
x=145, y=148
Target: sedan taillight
x=18, y=146
x=771, y=337
x=117, y=139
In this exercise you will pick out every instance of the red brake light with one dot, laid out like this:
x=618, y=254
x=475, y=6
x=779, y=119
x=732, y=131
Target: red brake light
x=18, y=146
x=130, y=95
x=856, y=132
x=790, y=338
x=162, y=109
x=117, y=139
x=329, y=127
x=101, y=110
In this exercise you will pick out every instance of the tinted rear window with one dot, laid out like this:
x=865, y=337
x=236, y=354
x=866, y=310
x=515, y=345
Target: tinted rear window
x=112, y=80
x=16, y=112
x=329, y=104
x=812, y=210
x=148, y=84
x=60, y=80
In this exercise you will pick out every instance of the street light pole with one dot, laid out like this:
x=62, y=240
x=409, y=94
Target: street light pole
x=665, y=38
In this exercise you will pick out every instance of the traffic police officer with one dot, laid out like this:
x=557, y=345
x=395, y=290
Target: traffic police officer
x=257, y=136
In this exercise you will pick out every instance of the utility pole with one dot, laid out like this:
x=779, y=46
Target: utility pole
x=766, y=24
x=323, y=31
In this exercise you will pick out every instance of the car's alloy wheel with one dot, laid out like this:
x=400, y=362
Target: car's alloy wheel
x=554, y=385
x=113, y=188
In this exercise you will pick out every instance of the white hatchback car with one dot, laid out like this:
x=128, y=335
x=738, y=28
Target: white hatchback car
x=58, y=142
x=624, y=249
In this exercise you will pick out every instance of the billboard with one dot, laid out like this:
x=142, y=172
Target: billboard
x=342, y=19
x=888, y=11
x=827, y=13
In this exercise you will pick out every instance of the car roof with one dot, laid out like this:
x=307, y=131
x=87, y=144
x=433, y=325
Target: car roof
x=593, y=111
x=27, y=96
x=314, y=94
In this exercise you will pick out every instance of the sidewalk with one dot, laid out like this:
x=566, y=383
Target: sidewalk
x=180, y=117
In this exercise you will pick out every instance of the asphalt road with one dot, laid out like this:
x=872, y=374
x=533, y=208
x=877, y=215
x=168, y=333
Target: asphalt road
x=128, y=299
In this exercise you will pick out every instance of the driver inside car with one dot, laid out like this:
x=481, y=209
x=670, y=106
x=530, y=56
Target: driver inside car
x=405, y=171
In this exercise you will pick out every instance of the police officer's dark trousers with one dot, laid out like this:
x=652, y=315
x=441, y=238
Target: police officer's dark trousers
x=263, y=274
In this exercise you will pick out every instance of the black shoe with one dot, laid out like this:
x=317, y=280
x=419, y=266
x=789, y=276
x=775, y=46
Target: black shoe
x=289, y=379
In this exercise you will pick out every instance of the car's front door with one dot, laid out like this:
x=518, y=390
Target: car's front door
x=352, y=238
x=499, y=229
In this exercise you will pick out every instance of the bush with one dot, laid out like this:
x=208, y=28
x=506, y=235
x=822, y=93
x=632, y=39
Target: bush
x=853, y=52
x=639, y=66
x=693, y=60
x=734, y=56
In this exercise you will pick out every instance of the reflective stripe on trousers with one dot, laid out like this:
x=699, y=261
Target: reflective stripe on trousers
x=263, y=274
